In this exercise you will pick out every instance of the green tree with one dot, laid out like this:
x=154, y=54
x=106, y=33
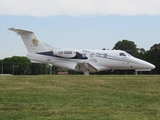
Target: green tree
x=141, y=53
x=7, y=66
x=153, y=56
x=126, y=45
x=1, y=66
x=16, y=65
x=21, y=65
x=39, y=68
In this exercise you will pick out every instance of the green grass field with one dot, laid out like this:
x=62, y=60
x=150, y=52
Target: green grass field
x=80, y=97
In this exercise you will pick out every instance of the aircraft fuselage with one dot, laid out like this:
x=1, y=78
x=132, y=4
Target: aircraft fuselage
x=92, y=60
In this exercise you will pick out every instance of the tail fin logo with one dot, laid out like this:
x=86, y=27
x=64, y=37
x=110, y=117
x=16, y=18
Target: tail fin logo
x=35, y=42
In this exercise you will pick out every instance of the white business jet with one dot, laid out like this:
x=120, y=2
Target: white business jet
x=86, y=61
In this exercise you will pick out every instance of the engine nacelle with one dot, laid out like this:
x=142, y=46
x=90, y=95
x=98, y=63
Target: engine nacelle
x=66, y=53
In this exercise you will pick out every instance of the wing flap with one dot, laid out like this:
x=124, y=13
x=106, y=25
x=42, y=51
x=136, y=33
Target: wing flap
x=85, y=66
x=91, y=68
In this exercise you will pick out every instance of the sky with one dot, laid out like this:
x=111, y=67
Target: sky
x=79, y=24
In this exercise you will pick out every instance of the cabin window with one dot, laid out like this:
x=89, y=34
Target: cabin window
x=92, y=55
x=104, y=55
x=100, y=55
x=122, y=54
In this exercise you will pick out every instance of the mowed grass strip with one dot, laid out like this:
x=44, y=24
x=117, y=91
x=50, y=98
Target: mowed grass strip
x=80, y=97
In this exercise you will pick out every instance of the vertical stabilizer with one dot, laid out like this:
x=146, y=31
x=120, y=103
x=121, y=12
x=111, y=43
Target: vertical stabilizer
x=32, y=43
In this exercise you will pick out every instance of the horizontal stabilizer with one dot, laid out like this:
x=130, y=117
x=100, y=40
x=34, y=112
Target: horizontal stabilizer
x=18, y=31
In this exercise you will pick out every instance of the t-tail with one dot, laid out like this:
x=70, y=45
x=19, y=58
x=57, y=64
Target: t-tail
x=32, y=43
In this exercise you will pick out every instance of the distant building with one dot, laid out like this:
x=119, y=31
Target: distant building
x=62, y=73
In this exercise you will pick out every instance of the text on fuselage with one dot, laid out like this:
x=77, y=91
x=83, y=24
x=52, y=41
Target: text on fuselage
x=64, y=52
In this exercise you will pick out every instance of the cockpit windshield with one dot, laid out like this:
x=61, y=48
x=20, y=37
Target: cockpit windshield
x=122, y=54
x=125, y=54
x=129, y=55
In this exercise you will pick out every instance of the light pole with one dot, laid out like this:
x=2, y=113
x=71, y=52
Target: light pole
x=13, y=69
x=50, y=69
x=2, y=66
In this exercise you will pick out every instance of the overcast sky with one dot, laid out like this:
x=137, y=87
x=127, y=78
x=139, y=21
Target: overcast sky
x=79, y=24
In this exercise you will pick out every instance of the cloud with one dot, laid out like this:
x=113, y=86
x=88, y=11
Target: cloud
x=42, y=8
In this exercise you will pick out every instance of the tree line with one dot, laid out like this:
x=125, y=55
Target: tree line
x=17, y=65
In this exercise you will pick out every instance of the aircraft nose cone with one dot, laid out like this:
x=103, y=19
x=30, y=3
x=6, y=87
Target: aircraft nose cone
x=144, y=64
x=149, y=65
x=152, y=66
